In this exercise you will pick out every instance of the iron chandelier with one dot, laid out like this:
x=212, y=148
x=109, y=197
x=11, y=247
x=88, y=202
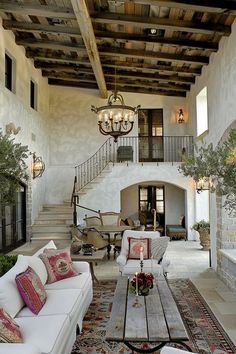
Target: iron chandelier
x=115, y=119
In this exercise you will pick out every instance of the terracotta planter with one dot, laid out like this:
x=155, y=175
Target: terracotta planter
x=204, y=239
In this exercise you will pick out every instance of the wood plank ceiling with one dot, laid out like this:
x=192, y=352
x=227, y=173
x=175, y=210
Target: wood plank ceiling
x=147, y=46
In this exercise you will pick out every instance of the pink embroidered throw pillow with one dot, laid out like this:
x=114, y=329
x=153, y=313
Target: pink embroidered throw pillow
x=31, y=289
x=134, y=247
x=59, y=265
x=9, y=329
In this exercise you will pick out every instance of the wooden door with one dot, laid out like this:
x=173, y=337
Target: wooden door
x=150, y=124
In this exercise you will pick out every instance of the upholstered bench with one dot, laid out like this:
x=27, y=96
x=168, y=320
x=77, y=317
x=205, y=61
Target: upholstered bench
x=176, y=231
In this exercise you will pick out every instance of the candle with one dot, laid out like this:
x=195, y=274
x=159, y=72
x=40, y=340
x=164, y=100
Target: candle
x=141, y=253
x=136, y=275
x=155, y=220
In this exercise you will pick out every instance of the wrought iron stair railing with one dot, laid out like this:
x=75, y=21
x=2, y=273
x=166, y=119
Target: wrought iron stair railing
x=144, y=149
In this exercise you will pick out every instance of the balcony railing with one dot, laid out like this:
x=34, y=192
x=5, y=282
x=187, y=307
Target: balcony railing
x=134, y=149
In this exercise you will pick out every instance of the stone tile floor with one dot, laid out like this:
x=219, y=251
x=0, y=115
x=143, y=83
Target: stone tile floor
x=187, y=261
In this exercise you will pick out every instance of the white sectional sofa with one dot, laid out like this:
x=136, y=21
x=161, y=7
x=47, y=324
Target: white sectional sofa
x=53, y=330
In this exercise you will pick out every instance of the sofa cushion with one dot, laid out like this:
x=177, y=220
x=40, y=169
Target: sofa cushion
x=49, y=333
x=10, y=298
x=81, y=281
x=38, y=266
x=50, y=244
x=64, y=301
x=58, y=264
x=135, y=245
x=9, y=329
x=31, y=289
x=149, y=266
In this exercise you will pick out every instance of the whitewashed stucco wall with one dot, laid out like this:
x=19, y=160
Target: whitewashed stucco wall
x=15, y=108
x=74, y=134
x=220, y=79
x=121, y=176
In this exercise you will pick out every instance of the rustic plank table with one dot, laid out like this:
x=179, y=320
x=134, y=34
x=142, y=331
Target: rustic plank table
x=96, y=256
x=156, y=320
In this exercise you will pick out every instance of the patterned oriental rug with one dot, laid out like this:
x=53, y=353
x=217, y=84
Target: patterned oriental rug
x=205, y=333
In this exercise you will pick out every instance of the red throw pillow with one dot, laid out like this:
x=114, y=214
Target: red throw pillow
x=9, y=329
x=59, y=265
x=31, y=289
x=134, y=247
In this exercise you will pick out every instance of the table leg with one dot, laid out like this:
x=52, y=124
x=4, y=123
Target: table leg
x=94, y=278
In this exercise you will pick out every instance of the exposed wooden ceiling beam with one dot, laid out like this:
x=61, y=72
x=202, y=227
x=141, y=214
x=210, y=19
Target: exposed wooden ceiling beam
x=37, y=10
x=37, y=43
x=86, y=29
x=46, y=67
x=131, y=37
x=132, y=53
x=152, y=68
x=120, y=88
x=76, y=78
x=39, y=28
x=162, y=23
x=216, y=6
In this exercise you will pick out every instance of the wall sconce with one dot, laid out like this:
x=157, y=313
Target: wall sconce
x=38, y=166
x=180, y=118
x=202, y=184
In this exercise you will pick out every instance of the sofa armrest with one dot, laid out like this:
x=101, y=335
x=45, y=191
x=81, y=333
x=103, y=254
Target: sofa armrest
x=81, y=267
x=121, y=260
x=18, y=348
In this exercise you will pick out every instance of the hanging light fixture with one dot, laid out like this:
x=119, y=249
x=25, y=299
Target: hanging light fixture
x=115, y=119
x=180, y=119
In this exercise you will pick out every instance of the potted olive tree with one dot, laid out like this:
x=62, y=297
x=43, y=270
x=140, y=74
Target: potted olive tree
x=203, y=228
x=218, y=166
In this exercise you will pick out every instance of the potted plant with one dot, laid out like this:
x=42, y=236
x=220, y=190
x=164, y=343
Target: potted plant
x=203, y=228
x=6, y=263
x=218, y=166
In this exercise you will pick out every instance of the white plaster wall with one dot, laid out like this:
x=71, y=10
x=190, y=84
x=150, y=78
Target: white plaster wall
x=15, y=107
x=74, y=134
x=220, y=79
x=107, y=196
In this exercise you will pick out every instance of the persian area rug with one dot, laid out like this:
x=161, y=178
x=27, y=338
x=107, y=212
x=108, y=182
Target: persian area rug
x=205, y=333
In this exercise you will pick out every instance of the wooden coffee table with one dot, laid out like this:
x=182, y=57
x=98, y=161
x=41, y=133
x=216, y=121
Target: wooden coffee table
x=96, y=256
x=156, y=320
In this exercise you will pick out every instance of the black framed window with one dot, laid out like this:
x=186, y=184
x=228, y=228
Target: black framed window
x=33, y=94
x=8, y=72
x=13, y=223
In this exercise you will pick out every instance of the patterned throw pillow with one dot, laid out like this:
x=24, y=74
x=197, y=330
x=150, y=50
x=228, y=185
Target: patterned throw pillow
x=31, y=289
x=134, y=247
x=158, y=247
x=59, y=265
x=9, y=329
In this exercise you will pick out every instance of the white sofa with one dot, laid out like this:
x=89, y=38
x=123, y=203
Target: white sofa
x=53, y=330
x=130, y=266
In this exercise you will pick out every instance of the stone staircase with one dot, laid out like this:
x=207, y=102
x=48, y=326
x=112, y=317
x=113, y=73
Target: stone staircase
x=53, y=223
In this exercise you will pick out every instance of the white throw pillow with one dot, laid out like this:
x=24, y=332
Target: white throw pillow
x=10, y=298
x=38, y=266
x=158, y=247
x=50, y=244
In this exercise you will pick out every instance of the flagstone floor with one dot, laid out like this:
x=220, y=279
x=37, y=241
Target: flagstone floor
x=187, y=261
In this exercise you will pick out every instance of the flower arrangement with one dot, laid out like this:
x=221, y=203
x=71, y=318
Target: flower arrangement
x=141, y=283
